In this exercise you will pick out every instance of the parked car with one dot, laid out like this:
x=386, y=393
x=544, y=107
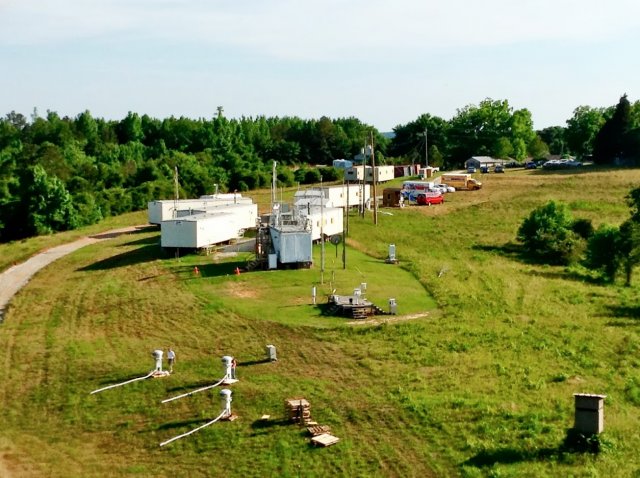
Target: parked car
x=471, y=169
x=499, y=168
x=429, y=199
x=530, y=165
x=484, y=169
x=561, y=164
x=444, y=188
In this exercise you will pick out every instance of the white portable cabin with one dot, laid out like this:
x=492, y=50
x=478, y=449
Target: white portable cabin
x=163, y=210
x=357, y=173
x=246, y=213
x=335, y=196
x=331, y=219
x=196, y=232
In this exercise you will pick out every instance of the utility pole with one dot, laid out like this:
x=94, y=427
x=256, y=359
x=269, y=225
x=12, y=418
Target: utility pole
x=176, y=192
x=364, y=176
x=374, y=177
x=321, y=233
x=426, y=148
x=345, y=230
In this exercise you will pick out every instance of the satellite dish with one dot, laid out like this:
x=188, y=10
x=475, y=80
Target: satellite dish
x=335, y=239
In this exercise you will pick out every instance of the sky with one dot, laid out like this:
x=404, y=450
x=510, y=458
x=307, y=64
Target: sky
x=384, y=62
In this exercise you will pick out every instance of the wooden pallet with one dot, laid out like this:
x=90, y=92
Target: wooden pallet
x=326, y=439
x=316, y=430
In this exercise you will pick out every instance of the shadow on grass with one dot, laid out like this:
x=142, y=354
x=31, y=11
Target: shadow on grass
x=264, y=424
x=628, y=316
x=184, y=423
x=508, y=456
x=137, y=256
x=137, y=230
x=210, y=270
x=510, y=249
x=573, y=443
x=193, y=386
x=143, y=242
x=253, y=362
x=115, y=381
x=518, y=253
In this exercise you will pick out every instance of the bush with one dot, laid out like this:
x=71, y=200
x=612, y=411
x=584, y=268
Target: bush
x=547, y=234
x=330, y=174
x=602, y=252
x=583, y=228
x=312, y=176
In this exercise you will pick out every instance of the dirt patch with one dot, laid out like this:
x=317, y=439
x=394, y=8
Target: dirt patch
x=389, y=319
x=241, y=290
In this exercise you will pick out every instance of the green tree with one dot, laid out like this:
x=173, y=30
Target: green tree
x=554, y=138
x=609, y=143
x=537, y=148
x=629, y=247
x=48, y=204
x=582, y=129
x=547, y=234
x=409, y=140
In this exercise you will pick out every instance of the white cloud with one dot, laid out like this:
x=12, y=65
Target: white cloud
x=320, y=30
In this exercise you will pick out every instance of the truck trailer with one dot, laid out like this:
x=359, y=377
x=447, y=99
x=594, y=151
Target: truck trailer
x=460, y=181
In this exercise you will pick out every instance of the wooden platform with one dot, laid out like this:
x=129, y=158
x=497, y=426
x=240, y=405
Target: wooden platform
x=326, y=439
x=352, y=306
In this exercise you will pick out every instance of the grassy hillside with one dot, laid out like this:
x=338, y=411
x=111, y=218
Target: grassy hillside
x=482, y=386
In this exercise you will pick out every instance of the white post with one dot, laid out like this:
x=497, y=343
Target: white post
x=225, y=393
x=157, y=354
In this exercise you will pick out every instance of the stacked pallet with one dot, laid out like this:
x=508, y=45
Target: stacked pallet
x=316, y=430
x=297, y=410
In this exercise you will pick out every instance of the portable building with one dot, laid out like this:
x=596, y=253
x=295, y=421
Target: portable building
x=202, y=230
x=292, y=246
x=163, y=210
x=391, y=197
x=328, y=220
x=366, y=173
x=335, y=196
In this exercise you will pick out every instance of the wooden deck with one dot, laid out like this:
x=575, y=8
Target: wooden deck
x=352, y=306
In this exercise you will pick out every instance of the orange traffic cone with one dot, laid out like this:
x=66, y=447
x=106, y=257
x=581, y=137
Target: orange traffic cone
x=196, y=271
x=237, y=271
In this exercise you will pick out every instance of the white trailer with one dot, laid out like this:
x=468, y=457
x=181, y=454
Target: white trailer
x=358, y=173
x=163, y=210
x=328, y=220
x=246, y=214
x=334, y=196
x=196, y=232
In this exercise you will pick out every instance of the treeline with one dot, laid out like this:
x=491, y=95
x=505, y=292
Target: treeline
x=61, y=173
x=493, y=128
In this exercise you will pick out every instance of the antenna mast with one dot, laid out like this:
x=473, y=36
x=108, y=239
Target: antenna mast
x=176, y=192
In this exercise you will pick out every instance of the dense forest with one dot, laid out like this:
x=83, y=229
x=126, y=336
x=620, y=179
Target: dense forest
x=61, y=173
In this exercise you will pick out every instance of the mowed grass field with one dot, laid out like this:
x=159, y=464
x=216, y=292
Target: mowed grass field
x=480, y=384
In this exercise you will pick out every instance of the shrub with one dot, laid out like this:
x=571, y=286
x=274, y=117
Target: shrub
x=547, y=234
x=583, y=228
x=602, y=254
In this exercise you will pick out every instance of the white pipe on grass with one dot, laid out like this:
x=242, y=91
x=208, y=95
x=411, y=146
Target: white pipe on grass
x=123, y=383
x=195, y=429
x=196, y=391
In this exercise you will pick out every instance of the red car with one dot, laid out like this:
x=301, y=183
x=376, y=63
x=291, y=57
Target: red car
x=429, y=199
